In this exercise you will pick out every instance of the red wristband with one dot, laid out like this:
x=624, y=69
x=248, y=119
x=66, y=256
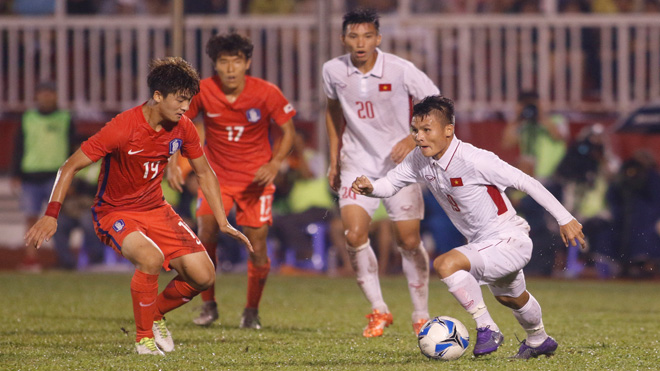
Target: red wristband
x=53, y=209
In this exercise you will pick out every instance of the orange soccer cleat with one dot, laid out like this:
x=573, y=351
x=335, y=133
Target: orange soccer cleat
x=377, y=322
x=417, y=326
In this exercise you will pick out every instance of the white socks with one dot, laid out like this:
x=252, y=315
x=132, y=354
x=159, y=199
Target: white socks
x=416, y=268
x=529, y=317
x=365, y=266
x=467, y=291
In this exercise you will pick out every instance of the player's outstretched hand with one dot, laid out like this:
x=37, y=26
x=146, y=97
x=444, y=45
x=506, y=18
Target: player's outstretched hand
x=234, y=233
x=572, y=231
x=42, y=231
x=362, y=186
x=174, y=176
x=402, y=148
x=266, y=174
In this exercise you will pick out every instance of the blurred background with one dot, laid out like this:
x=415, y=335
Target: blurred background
x=567, y=90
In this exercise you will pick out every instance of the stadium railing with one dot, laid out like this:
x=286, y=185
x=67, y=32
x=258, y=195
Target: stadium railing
x=589, y=62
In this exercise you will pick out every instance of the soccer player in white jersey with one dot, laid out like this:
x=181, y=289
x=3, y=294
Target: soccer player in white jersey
x=469, y=184
x=371, y=92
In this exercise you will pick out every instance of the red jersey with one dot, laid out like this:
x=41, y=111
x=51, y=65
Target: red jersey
x=237, y=142
x=134, y=159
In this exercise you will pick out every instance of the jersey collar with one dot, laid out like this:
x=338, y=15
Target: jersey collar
x=376, y=71
x=446, y=158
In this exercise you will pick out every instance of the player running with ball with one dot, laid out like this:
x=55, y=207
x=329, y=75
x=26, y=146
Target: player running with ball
x=130, y=213
x=469, y=184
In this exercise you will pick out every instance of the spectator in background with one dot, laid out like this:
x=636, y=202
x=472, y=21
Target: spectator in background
x=206, y=7
x=308, y=202
x=33, y=7
x=81, y=6
x=584, y=175
x=43, y=143
x=76, y=213
x=540, y=136
x=634, y=198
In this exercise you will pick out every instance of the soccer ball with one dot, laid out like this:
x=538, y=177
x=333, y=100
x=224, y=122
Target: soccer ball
x=444, y=338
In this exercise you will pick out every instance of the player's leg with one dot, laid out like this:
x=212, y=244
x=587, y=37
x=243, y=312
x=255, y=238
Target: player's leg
x=207, y=231
x=148, y=260
x=363, y=260
x=406, y=209
x=527, y=311
x=258, y=270
x=454, y=268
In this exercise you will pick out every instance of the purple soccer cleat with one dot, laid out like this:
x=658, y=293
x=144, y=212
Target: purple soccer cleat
x=547, y=348
x=487, y=341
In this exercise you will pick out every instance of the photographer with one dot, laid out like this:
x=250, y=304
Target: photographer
x=541, y=137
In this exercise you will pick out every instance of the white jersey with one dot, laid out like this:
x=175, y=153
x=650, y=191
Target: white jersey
x=469, y=184
x=376, y=106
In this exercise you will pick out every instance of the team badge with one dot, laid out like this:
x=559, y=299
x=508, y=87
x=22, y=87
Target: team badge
x=253, y=115
x=288, y=108
x=119, y=225
x=384, y=87
x=456, y=182
x=175, y=145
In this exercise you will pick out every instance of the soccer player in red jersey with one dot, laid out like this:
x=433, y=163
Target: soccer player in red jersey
x=130, y=213
x=237, y=111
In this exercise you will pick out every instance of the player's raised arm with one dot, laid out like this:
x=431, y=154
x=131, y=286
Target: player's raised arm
x=208, y=182
x=333, y=123
x=267, y=172
x=46, y=226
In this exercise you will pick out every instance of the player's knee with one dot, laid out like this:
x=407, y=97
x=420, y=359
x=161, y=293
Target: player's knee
x=205, y=281
x=356, y=238
x=445, y=265
x=410, y=242
x=513, y=302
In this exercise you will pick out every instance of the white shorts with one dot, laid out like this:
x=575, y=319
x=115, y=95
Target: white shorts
x=499, y=263
x=407, y=204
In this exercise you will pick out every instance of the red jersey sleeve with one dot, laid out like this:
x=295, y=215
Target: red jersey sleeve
x=195, y=107
x=110, y=137
x=192, y=147
x=278, y=106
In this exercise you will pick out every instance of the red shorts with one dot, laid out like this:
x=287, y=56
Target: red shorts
x=162, y=225
x=253, y=207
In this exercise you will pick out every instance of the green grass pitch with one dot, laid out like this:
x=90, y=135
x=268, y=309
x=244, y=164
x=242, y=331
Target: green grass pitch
x=68, y=321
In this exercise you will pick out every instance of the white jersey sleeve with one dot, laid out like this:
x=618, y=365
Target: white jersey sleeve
x=328, y=84
x=419, y=85
x=402, y=175
x=497, y=172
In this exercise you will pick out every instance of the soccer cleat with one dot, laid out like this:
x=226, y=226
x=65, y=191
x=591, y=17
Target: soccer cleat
x=250, y=319
x=548, y=348
x=487, y=341
x=208, y=315
x=148, y=346
x=377, y=322
x=417, y=326
x=162, y=336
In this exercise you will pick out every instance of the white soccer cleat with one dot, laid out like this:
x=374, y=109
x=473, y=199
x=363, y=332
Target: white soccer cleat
x=148, y=346
x=208, y=315
x=162, y=336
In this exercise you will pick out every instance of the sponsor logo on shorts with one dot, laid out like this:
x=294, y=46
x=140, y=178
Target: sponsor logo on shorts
x=175, y=145
x=253, y=115
x=119, y=225
x=406, y=207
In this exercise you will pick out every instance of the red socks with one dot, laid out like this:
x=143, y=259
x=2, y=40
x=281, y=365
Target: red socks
x=209, y=294
x=177, y=293
x=256, y=282
x=144, y=289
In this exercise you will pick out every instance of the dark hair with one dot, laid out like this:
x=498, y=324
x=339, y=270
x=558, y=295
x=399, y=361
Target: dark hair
x=172, y=75
x=231, y=43
x=435, y=104
x=359, y=16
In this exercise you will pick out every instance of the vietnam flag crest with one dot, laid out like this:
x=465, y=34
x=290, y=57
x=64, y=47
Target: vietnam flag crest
x=384, y=87
x=456, y=182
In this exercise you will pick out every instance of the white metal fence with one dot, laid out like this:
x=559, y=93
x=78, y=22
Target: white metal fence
x=601, y=63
